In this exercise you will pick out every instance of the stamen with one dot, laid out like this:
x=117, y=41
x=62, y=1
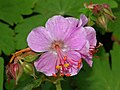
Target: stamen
x=61, y=74
x=80, y=61
x=67, y=75
x=54, y=75
x=79, y=65
x=99, y=45
x=65, y=58
x=66, y=65
x=58, y=67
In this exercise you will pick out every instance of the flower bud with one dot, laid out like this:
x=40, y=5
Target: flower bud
x=108, y=13
x=14, y=71
x=102, y=21
x=28, y=68
x=30, y=56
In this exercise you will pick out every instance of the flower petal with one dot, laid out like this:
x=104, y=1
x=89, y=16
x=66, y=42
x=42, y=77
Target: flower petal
x=85, y=49
x=73, y=22
x=91, y=35
x=83, y=20
x=88, y=59
x=77, y=39
x=74, y=59
x=59, y=27
x=46, y=64
x=39, y=39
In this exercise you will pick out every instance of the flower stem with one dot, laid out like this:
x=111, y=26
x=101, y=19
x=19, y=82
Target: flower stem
x=58, y=85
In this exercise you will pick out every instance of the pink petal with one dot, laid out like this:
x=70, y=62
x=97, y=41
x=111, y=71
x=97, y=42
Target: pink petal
x=73, y=22
x=46, y=64
x=85, y=49
x=83, y=20
x=77, y=39
x=91, y=35
x=74, y=58
x=89, y=61
x=39, y=39
x=59, y=27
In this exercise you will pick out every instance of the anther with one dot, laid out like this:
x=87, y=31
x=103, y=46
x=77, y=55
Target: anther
x=61, y=74
x=67, y=75
x=99, y=45
x=65, y=58
x=54, y=75
x=66, y=65
x=80, y=61
x=79, y=65
x=58, y=67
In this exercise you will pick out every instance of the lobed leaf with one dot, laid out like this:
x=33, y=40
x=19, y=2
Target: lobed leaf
x=6, y=39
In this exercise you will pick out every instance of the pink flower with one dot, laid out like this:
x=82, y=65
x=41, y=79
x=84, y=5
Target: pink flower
x=64, y=41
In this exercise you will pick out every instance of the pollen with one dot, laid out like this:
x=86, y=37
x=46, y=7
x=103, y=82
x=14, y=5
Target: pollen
x=58, y=67
x=61, y=74
x=54, y=75
x=66, y=65
x=67, y=75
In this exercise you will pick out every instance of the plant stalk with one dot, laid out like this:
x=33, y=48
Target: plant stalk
x=58, y=85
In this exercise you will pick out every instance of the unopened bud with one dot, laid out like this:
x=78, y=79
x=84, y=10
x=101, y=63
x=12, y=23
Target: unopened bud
x=108, y=13
x=28, y=68
x=14, y=71
x=29, y=56
x=102, y=21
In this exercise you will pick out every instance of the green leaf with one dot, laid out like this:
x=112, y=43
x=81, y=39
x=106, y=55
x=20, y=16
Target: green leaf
x=25, y=83
x=31, y=57
x=49, y=8
x=115, y=66
x=1, y=73
x=115, y=26
x=101, y=76
x=25, y=27
x=6, y=39
x=47, y=86
x=11, y=10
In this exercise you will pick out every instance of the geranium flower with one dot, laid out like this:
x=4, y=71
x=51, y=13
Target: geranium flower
x=64, y=41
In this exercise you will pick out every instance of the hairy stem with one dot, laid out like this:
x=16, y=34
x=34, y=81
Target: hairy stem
x=58, y=85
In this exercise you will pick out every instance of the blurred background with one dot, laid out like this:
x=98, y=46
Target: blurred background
x=19, y=17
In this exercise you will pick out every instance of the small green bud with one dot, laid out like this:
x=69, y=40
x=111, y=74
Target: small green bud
x=28, y=68
x=108, y=13
x=102, y=21
x=30, y=56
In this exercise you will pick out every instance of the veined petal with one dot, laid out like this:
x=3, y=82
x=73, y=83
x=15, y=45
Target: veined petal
x=75, y=57
x=77, y=39
x=91, y=35
x=83, y=20
x=73, y=22
x=88, y=59
x=46, y=64
x=59, y=27
x=85, y=49
x=39, y=39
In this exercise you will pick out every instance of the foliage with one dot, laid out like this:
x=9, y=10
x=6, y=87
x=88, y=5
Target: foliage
x=2, y=73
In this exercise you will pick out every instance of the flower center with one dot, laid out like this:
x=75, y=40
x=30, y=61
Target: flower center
x=57, y=44
x=64, y=63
